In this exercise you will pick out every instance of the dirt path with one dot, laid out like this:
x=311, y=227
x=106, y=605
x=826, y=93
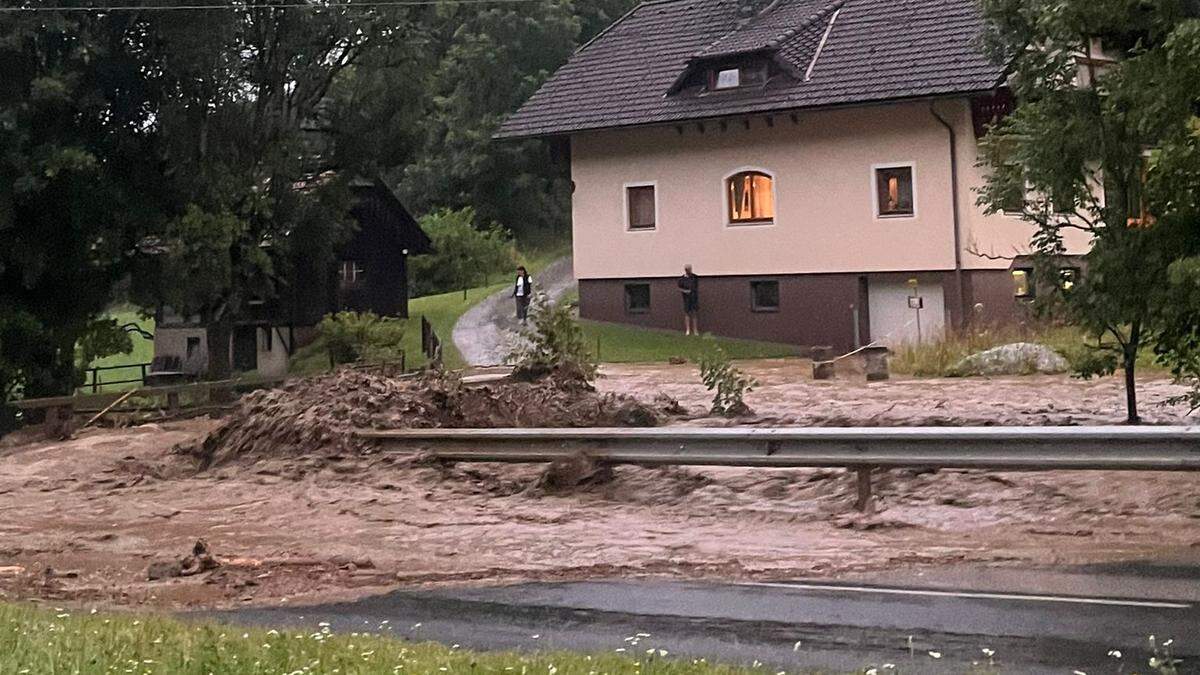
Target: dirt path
x=83, y=519
x=485, y=334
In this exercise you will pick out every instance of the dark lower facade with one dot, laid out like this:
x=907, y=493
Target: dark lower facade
x=842, y=310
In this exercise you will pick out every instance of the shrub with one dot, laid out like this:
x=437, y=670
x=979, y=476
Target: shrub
x=354, y=336
x=553, y=345
x=463, y=255
x=728, y=382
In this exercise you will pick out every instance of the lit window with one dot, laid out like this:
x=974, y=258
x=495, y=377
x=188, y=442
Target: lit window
x=764, y=296
x=1023, y=283
x=751, y=198
x=894, y=191
x=637, y=298
x=640, y=202
x=1067, y=277
x=351, y=273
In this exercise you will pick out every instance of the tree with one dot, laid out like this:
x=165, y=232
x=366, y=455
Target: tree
x=240, y=125
x=78, y=188
x=1083, y=151
x=464, y=254
x=470, y=66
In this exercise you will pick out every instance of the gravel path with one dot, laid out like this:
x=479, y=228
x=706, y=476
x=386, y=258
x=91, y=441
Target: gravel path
x=485, y=334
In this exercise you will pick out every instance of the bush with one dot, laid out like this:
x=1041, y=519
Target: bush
x=463, y=255
x=728, y=382
x=351, y=336
x=553, y=345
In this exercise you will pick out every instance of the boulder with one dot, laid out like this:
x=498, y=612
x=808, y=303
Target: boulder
x=1018, y=358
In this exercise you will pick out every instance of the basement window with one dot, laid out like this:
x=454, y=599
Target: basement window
x=1023, y=283
x=764, y=296
x=637, y=298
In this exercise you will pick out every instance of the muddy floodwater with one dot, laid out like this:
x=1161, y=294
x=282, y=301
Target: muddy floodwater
x=84, y=519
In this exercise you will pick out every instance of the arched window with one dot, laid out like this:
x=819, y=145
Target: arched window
x=751, y=196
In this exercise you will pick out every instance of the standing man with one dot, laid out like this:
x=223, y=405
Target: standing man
x=689, y=288
x=523, y=292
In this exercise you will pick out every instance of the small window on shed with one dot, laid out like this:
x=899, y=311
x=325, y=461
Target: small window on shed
x=350, y=274
x=764, y=296
x=637, y=298
x=639, y=200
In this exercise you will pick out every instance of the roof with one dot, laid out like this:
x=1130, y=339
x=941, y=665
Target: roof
x=375, y=203
x=873, y=51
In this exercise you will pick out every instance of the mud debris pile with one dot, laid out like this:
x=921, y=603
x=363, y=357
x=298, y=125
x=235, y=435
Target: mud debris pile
x=318, y=415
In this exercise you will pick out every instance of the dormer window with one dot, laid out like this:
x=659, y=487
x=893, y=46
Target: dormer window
x=728, y=78
x=733, y=77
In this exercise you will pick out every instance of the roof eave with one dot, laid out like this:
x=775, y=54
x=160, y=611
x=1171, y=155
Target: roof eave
x=565, y=133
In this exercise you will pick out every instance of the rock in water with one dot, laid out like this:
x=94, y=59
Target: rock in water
x=1018, y=358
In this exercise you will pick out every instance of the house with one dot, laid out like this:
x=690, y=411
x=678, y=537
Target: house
x=369, y=274
x=816, y=163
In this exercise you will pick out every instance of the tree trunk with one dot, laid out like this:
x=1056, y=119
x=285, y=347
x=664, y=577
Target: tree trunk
x=1129, y=363
x=218, y=333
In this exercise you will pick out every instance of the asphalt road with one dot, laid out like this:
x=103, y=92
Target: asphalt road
x=797, y=624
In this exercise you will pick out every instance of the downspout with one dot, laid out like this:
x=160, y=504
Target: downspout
x=958, y=267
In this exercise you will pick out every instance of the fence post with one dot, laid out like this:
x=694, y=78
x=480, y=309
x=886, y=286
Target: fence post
x=143, y=365
x=95, y=380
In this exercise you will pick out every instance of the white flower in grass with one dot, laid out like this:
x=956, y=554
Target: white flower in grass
x=796, y=647
x=1115, y=653
x=935, y=655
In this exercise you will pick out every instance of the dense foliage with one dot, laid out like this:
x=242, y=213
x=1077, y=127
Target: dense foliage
x=464, y=254
x=205, y=151
x=1104, y=141
x=553, y=345
x=351, y=337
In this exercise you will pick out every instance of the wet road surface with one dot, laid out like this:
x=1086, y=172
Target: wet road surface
x=926, y=628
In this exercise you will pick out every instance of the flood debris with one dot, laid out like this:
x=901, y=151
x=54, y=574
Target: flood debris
x=198, y=561
x=316, y=416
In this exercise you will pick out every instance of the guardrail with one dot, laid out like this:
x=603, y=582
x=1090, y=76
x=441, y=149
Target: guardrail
x=858, y=448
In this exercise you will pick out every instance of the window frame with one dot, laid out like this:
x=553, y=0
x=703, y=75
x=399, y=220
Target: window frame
x=911, y=165
x=629, y=309
x=765, y=309
x=727, y=208
x=760, y=69
x=625, y=195
x=357, y=272
x=1030, y=283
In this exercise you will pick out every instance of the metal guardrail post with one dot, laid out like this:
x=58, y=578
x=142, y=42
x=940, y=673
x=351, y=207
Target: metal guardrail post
x=865, y=501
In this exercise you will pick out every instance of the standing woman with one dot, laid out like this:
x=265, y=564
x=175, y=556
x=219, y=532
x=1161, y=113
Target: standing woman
x=523, y=292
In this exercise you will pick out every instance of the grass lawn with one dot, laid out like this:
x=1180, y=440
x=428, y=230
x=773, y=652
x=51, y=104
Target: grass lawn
x=37, y=641
x=937, y=358
x=618, y=343
x=143, y=350
x=442, y=310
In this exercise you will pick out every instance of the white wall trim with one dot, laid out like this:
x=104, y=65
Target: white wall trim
x=725, y=197
x=625, y=201
x=910, y=164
